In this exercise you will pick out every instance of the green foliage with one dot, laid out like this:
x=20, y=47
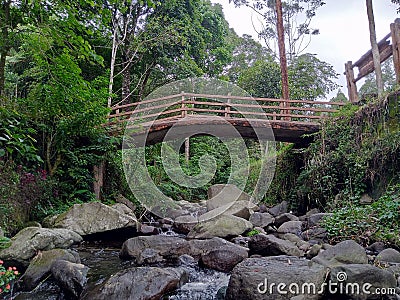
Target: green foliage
x=379, y=221
x=388, y=76
x=4, y=242
x=253, y=232
x=354, y=153
x=17, y=139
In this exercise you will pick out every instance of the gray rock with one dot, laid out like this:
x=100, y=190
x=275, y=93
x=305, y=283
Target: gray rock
x=357, y=276
x=315, y=219
x=225, y=257
x=223, y=194
x=221, y=226
x=267, y=245
x=187, y=261
x=149, y=256
x=124, y=209
x=261, y=219
x=70, y=276
x=346, y=252
x=165, y=246
x=388, y=255
x=279, y=209
x=376, y=247
x=184, y=224
x=40, y=266
x=366, y=199
x=29, y=241
x=93, y=217
x=291, y=237
x=318, y=234
x=142, y=283
x=294, y=227
x=253, y=276
x=241, y=241
x=148, y=229
x=283, y=218
x=314, y=251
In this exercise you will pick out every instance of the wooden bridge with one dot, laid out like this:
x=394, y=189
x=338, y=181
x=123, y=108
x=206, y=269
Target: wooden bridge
x=289, y=120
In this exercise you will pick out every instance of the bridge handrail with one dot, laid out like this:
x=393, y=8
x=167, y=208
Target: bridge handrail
x=188, y=102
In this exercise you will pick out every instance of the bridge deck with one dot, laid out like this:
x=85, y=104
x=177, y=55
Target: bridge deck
x=153, y=120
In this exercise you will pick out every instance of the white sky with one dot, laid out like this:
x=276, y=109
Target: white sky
x=343, y=26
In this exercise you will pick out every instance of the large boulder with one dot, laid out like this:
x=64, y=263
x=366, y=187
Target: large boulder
x=224, y=258
x=279, y=209
x=223, y=194
x=220, y=226
x=294, y=227
x=258, y=278
x=389, y=255
x=268, y=245
x=283, y=218
x=40, y=265
x=94, y=217
x=315, y=219
x=346, y=252
x=184, y=224
x=362, y=281
x=142, y=283
x=70, y=276
x=162, y=245
x=261, y=219
x=30, y=240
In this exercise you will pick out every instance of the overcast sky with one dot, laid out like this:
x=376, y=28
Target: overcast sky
x=343, y=26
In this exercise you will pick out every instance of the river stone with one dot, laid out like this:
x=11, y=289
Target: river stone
x=223, y=194
x=142, y=283
x=358, y=275
x=148, y=229
x=261, y=219
x=221, y=226
x=225, y=257
x=283, y=218
x=291, y=227
x=124, y=209
x=165, y=246
x=388, y=255
x=40, y=265
x=376, y=247
x=267, y=245
x=318, y=234
x=366, y=199
x=26, y=243
x=315, y=219
x=70, y=276
x=93, y=217
x=252, y=274
x=279, y=209
x=184, y=224
x=346, y=252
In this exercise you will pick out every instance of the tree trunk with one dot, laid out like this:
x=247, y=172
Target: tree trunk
x=282, y=56
x=5, y=47
x=126, y=78
x=112, y=67
x=374, y=46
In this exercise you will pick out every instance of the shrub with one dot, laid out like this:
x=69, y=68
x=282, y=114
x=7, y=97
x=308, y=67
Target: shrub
x=7, y=276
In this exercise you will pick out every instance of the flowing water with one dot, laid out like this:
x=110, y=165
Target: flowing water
x=104, y=261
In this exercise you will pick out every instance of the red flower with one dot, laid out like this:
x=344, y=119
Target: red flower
x=1, y=262
x=14, y=268
x=1, y=290
x=15, y=272
x=9, y=269
x=8, y=287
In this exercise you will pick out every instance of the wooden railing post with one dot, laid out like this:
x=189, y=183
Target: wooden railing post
x=183, y=106
x=395, y=32
x=228, y=107
x=351, y=84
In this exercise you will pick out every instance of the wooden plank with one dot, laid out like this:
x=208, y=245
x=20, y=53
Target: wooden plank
x=369, y=67
x=395, y=32
x=367, y=57
x=351, y=84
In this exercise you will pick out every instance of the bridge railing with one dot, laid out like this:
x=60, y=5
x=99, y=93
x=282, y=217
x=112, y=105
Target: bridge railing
x=227, y=106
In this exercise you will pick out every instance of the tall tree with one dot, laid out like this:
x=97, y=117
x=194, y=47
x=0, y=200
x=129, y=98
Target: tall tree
x=375, y=48
x=297, y=15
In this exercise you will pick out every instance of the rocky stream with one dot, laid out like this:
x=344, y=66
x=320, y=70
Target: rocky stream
x=95, y=251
